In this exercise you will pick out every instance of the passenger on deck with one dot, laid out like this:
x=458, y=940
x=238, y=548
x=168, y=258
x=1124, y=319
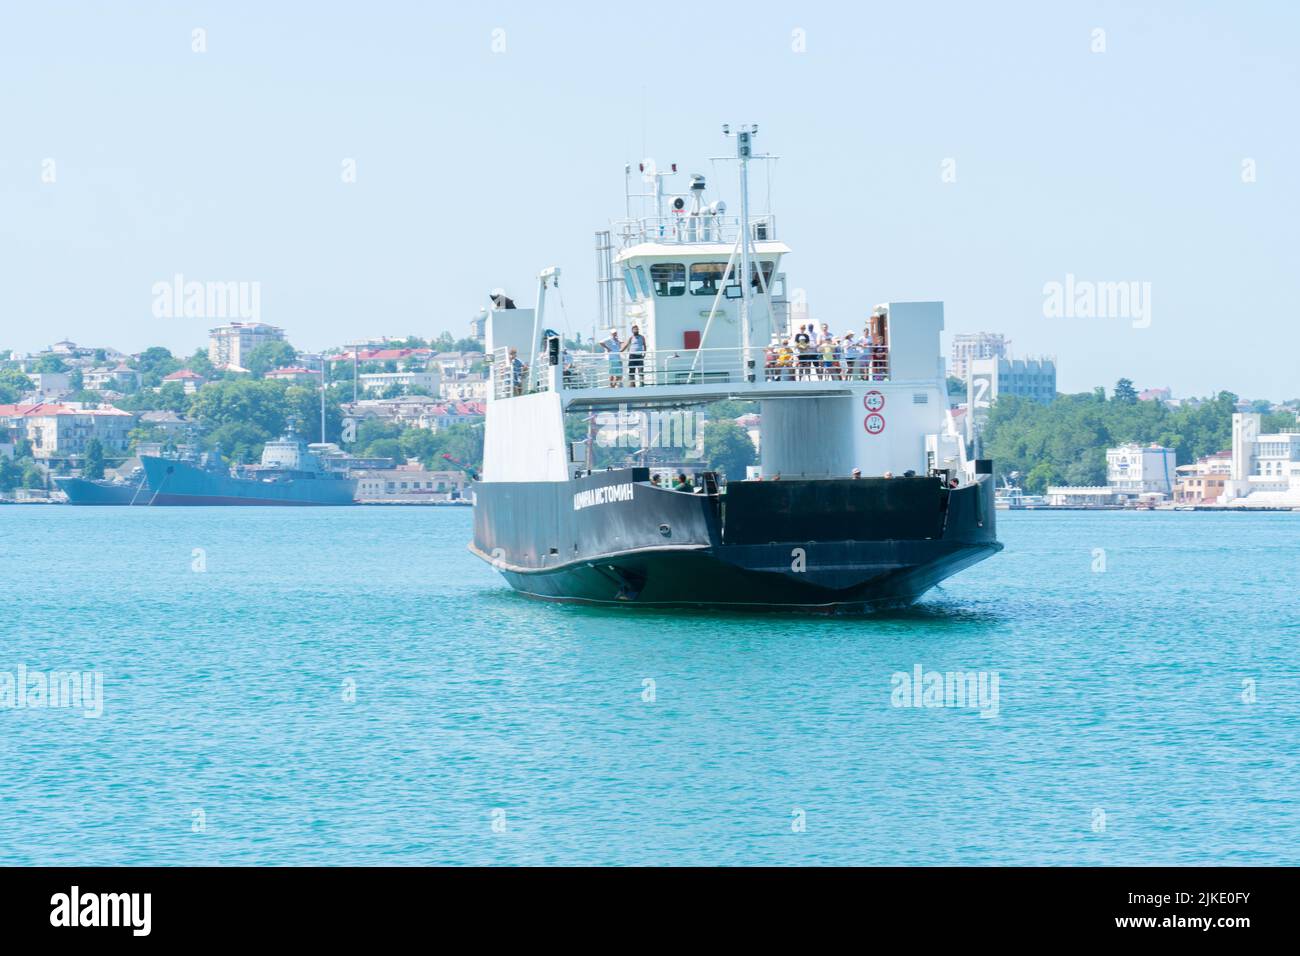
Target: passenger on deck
x=615, y=349
x=803, y=345
x=852, y=352
x=829, y=364
x=682, y=483
x=785, y=362
x=516, y=373
x=635, y=349
x=857, y=472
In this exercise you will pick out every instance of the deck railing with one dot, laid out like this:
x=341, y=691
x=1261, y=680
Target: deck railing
x=676, y=367
x=685, y=228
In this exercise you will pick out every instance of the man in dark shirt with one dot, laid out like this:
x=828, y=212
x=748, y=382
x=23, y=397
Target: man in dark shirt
x=635, y=358
x=803, y=346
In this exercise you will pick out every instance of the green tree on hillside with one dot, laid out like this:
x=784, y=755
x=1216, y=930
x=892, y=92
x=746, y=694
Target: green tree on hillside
x=94, y=465
x=153, y=364
x=270, y=355
x=1125, y=394
x=727, y=449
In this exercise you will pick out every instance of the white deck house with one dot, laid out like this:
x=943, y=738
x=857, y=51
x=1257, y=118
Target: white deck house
x=708, y=336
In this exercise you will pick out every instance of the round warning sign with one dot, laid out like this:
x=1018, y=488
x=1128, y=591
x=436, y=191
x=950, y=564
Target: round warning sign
x=874, y=423
x=873, y=401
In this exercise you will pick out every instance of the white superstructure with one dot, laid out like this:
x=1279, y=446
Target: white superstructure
x=709, y=335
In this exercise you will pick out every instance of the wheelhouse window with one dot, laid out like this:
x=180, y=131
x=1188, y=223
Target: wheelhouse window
x=668, y=278
x=644, y=280
x=769, y=268
x=631, y=286
x=706, y=277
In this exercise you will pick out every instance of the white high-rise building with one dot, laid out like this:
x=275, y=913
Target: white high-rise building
x=232, y=344
x=974, y=345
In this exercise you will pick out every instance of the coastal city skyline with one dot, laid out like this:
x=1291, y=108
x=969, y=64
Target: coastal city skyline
x=372, y=222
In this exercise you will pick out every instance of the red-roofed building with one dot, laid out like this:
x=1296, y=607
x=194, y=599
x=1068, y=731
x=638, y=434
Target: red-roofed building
x=192, y=381
x=62, y=430
x=294, y=375
x=384, y=355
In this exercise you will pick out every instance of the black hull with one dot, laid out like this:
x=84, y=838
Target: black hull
x=832, y=546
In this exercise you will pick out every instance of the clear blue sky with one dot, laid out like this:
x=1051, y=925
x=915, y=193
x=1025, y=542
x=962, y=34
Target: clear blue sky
x=476, y=169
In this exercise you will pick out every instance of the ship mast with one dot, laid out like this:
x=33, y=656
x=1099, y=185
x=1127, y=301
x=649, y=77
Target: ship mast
x=744, y=151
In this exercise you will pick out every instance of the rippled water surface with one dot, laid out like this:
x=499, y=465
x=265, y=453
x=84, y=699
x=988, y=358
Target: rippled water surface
x=1123, y=731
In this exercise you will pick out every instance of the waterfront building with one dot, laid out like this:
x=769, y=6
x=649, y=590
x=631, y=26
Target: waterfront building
x=1202, y=481
x=1134, y=469
x=1083, y=496
x=1265, y=469
x=231, y=345
x=967, y=346
x=63, y=430
x=411, y=483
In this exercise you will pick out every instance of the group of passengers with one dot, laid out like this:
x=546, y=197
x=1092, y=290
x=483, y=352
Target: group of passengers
x=680, y=483
x=813, y=354
x=635, y=348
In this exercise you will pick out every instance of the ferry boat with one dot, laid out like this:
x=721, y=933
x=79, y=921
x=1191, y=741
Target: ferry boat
x=289, y=474
x=866, y=495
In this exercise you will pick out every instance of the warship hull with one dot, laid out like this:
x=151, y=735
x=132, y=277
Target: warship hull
x=179, y=483
x=84, y=491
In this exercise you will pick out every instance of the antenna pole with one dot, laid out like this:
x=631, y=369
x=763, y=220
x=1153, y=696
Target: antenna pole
x=744, y=150
x=324, y=368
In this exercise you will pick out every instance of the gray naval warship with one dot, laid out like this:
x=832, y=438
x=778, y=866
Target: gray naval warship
x=866, y=496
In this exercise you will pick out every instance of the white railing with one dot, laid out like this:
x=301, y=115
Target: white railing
x=661, y=367
x=686, y=228
x=504, y=381
x=676, y=367
x=871, y=364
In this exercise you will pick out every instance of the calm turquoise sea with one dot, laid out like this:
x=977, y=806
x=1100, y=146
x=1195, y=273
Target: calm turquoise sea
x=350, y=686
